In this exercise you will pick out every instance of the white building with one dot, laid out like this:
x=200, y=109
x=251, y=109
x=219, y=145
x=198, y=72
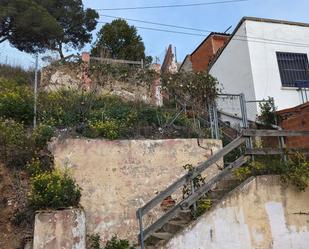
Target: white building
x=265, y=58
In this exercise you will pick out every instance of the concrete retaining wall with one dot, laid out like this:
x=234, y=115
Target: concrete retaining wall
x=64, y=229
x=261, y=214
x=117, y=177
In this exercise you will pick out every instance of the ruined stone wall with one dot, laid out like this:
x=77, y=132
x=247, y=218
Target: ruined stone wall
x=118, y=177
x=71, y=76
x=260, y=214
x=60, y=229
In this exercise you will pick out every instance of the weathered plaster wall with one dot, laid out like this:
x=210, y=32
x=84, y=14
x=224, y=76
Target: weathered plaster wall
x=118, y=177
x=260, y=214
x=64, y=229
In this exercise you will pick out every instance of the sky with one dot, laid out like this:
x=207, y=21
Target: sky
x=217, y=18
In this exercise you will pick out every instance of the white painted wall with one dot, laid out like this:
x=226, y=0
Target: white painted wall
x=264, y=65
x=260, y=214
x=233, y=71
x=251, y=66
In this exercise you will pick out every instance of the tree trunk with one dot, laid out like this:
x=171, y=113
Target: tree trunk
x=60, y=50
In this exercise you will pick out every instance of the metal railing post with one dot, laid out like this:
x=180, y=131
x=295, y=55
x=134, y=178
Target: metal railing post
x=192, y=192
x=244, y=115
x=210, y=112
x=141, y=229
x=216, y=122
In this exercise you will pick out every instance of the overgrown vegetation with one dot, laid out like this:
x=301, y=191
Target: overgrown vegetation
x=54, y=190
x=94, y=242
x=105, y=73
x=92, y=114
x=17, y=74
x=196, y=90
x=295, y=171
x=204, y=203
x=268, y=112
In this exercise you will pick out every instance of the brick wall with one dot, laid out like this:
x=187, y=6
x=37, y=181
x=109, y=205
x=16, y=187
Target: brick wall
x=296, y=118
x=201, y=57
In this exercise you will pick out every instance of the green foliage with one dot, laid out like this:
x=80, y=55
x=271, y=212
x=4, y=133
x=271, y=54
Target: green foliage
x=268, y=112
x=36, y=167
x=54, y=190
x=108, y=129
x=116, y=243
x=94, y=241
x=75, y=23
x=16, y=101
x=109, y=73
x=27, y=25
x=120, y=40
x=22, y=218
x=204, y=203
x=15, y=146
x=16, y=74
x=198, y=88
x=42, y=134
x=37, y=25
x=202, y=206
x=91, y=113
x=295, y=171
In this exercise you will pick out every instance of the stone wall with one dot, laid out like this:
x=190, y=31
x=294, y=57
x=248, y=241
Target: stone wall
x=260, y=214
x=63, y=229
x=118, y=177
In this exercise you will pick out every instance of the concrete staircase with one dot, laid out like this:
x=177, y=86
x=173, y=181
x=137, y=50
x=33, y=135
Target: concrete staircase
x=160, y=237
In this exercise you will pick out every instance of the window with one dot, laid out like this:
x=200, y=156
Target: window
x=294, y=69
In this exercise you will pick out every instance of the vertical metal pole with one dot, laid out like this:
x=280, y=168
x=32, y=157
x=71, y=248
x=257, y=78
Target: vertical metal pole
x=141, y=229
x=210, y=112
x=243, y=107
x=273, y=106
x=142, y=63
x=192, y=192
x=35, y=90
x=215, y=121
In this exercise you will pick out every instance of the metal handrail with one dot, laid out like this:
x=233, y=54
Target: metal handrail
x=191, y=199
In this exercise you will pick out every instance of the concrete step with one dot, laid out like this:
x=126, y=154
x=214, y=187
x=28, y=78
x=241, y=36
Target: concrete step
x=184, y=215
x=227, y=184
x=162, y=235
x=173, y=226
x=217, y=193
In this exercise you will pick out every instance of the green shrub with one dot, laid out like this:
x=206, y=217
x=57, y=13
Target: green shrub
x=17, y=74
x=295, y=171
x=42, y=134
x=204, y=203
x=16, y=101
x=268, y=112
x=15, y=146
x=116, y=243
x=107, y=129
x=36, y=166
x=22, y=218
x=94, y=241
x=54, y=190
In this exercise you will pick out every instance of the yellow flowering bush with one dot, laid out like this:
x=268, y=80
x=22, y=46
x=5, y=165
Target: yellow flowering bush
x=108, y=129
x=54, y=190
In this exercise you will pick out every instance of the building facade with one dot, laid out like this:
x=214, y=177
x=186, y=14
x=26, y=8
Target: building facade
x=265, y=58
x=199, y=59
